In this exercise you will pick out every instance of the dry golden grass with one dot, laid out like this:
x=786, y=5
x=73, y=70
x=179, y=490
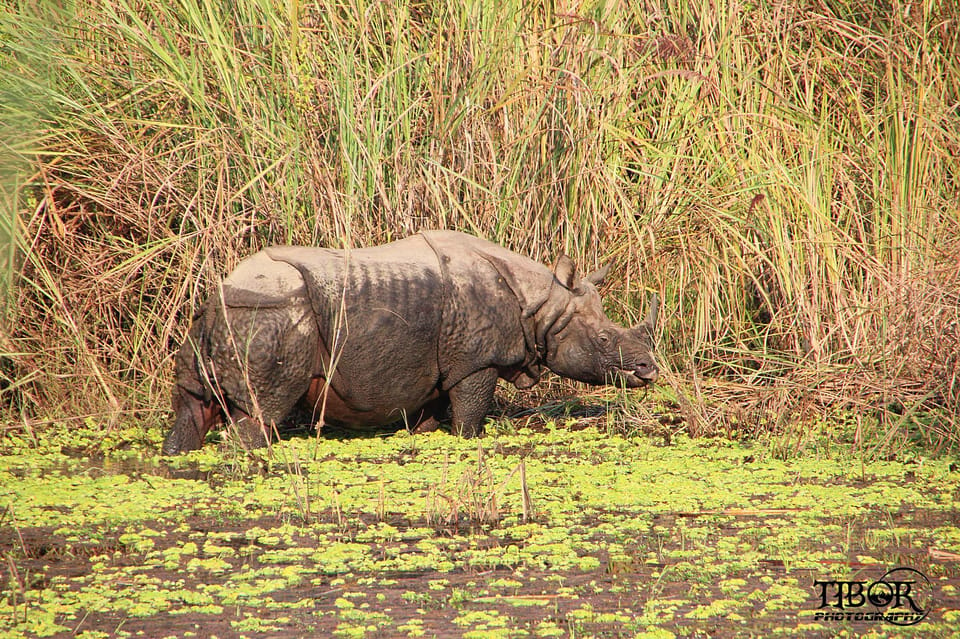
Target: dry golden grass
x=787, y=178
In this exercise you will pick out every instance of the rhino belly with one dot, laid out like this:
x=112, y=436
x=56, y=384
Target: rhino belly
x=363, y=413
x=386, y=367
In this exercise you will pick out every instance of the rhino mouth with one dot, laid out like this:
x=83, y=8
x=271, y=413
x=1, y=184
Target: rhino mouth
x=636, y=378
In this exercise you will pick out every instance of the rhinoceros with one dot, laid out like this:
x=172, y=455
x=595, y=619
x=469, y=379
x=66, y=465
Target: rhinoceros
x=404, y=331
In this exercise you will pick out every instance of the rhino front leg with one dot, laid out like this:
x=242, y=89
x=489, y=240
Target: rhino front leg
x=470, y=400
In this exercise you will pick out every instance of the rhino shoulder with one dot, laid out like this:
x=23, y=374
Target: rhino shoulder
x=491, y=297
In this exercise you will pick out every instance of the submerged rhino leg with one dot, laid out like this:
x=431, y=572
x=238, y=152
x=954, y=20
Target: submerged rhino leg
x=251, y=432
x=470, y=399
x=427, y=425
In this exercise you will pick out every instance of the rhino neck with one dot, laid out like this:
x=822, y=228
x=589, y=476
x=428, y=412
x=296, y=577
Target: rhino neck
x=545, y=308
x=537, y=293
x=553, y=315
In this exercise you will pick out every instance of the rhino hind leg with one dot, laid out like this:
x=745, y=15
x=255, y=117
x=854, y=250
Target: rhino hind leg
x=194, y=418
x=251, y=432
x=471, y=399
x=255, y=411
x=249, y=371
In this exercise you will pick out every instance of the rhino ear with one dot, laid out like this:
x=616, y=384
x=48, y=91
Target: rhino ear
x=596, y=278
x=566, y=272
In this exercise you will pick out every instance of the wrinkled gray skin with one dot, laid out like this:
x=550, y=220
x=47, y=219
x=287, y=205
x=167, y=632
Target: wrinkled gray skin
x=414, y=327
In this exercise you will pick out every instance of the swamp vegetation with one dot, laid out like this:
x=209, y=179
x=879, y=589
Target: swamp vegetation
x=549, y=530
x=784, y=175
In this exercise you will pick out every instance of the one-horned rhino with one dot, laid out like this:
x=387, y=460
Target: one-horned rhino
x=372, y=336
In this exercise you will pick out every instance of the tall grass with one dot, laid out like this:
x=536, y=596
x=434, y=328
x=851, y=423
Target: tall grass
x=786, y=177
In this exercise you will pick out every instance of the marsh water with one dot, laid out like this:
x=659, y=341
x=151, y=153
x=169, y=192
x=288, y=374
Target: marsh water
x=546, y=532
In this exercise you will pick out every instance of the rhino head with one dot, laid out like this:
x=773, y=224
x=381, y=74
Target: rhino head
x=581, y=343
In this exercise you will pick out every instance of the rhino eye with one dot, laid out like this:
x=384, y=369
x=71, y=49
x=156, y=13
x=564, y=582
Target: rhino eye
x=604, y=338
